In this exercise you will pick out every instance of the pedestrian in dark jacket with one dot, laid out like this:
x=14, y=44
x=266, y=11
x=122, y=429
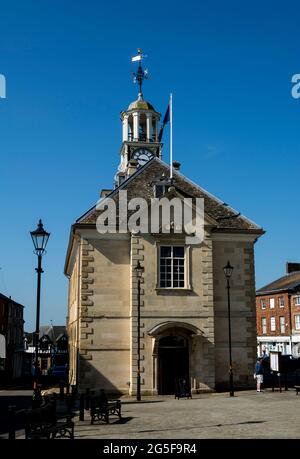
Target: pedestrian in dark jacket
x=259, y=374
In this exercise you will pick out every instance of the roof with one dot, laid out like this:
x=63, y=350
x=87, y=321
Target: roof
x=55, y=332
x=10, y=300
x=141, y=104
x=289, y=282
x=140, y=184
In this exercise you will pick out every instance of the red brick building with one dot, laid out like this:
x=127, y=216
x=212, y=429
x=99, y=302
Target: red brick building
x=12, y=328
x=278, y=314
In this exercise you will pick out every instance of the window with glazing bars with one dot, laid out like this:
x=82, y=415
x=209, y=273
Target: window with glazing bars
x=171, y=267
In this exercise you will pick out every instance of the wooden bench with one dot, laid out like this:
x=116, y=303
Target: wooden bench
x=297, y=389
x=43, y=422
x=101, y=408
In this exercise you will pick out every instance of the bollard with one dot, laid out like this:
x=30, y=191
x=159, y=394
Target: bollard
x=87, y=399
x=285, y=381
x=74, y=393
x=12, y=422
x=73, y=389
x=81, y=407
x=37, y=397
x=54, y=400
x=69, y=404
x=279, y=382
x=61, y=389
x=93, y=404
x=68, y=389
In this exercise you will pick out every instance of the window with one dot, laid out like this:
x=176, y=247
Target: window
x=264, y=325
x=263, y=304
x=297, y=322
x=159, y=190
x=171, y=267
x=297, y=300
x=282, y=324
x=272, y=303
x=273, y=324
x=281, y=302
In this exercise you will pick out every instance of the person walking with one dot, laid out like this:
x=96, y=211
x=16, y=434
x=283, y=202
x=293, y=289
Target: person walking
x=259, y=374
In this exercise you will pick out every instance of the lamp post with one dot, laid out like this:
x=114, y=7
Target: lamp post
x=228, y=272
x=139, y=271
x=39, y=238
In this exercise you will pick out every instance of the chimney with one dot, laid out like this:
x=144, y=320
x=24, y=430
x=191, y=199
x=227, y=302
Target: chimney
x=132, y=167
x=104, y=193
x=292, y=267
x=176, y=165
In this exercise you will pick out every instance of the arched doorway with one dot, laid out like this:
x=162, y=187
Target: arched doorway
x=173, y=362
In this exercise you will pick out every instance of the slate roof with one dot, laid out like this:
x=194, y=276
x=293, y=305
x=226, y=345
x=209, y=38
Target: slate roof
x=289, y=282
x=54, y=332
x=140, y=184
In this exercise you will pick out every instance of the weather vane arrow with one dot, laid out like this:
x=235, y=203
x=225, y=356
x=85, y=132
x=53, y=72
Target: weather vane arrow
x=140, y=75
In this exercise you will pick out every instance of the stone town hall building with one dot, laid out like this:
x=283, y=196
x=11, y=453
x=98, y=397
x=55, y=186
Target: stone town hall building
x=184, y=319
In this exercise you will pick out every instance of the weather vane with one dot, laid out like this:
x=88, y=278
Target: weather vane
x=140, y=75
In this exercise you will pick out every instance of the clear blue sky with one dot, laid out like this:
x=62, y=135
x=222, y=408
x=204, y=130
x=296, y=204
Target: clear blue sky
x=68, y=71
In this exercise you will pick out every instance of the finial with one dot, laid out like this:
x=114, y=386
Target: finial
x=140, y=75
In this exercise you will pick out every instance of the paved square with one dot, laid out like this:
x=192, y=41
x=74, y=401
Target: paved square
x=247, y=415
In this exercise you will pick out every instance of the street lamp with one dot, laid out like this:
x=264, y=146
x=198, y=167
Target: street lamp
x=139, y=272
x=39, y=238
x=228, y=272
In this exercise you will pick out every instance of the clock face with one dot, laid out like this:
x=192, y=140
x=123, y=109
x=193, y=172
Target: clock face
x=142, y=155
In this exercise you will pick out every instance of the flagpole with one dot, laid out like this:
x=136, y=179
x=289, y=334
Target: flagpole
x=171, y=138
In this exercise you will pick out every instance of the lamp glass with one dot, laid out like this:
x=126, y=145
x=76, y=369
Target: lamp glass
x=40, y=238
x=228, y=270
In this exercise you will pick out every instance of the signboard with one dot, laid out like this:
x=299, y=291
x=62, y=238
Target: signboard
x=274, y=360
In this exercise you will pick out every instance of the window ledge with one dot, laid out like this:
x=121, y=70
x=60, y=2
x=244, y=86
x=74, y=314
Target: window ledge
x=180, y=289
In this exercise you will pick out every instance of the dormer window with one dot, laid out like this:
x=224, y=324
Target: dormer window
x=161, y=186
x=159, y=190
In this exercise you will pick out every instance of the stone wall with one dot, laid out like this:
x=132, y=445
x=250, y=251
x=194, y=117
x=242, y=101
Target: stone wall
x=104, y=319
x=243, y=319
x=109, y=307
x=193, y=306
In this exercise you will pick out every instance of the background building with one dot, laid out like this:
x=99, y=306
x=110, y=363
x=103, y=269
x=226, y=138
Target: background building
x=278, y=314
x=12, y=329
x=184, y=316
x=53, y=348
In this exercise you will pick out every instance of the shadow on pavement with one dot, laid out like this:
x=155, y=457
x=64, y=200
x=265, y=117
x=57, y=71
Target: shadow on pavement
x=111, y=423
x=204, y=427
x=136, y=402
x=124, y=420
